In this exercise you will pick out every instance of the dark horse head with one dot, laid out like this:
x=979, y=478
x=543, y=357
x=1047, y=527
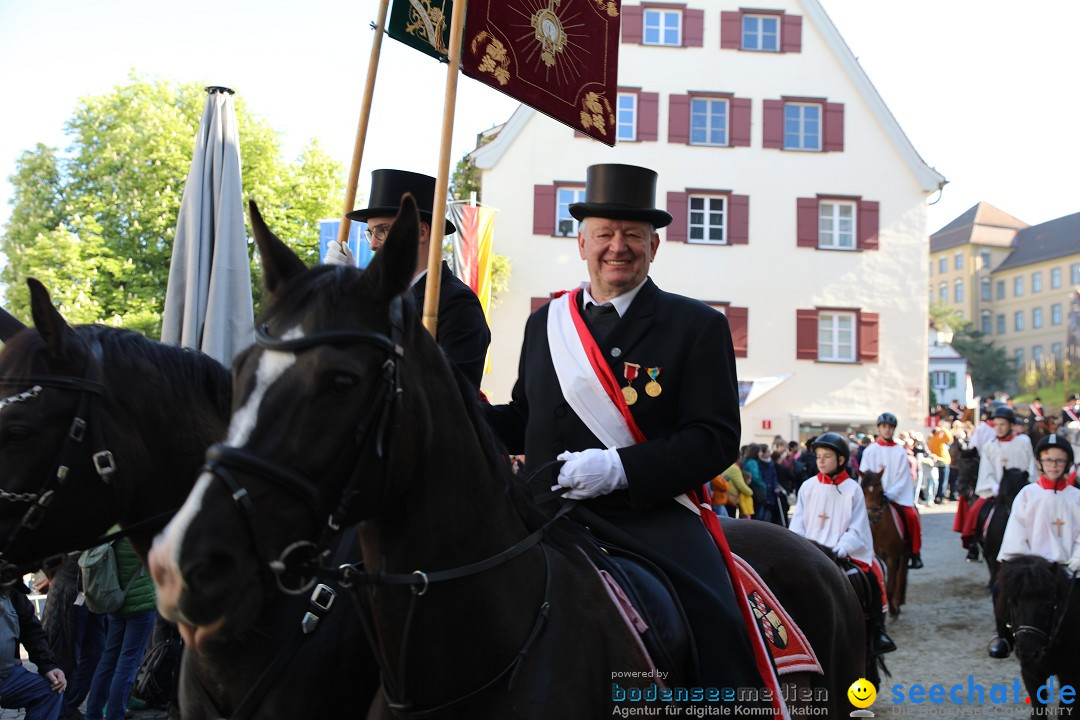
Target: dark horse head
x=1033, y=597
x=76, y=452
x=317, y=419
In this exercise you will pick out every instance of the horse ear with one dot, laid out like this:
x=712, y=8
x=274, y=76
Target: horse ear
x=394, y=265
x=9, y=325
x=278, y=261
x=47, y=319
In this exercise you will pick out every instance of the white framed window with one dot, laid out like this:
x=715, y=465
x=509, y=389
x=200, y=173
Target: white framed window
x=958, y=291
x=836, y=225
x=1037, y=354
x=985, y=322
x=565, y=223
x=1055, y=278
x=943, y=266
x=958, y=261
x=1000, y=324
x=1055, y=314
x=943, y=292
x=1018, y=356
x=1055, y=350
x=626, y=117
x=984, y=257
x=709, y=121
x=802, y=126
x=707, y=221
x=836, y=337
x=1018, y=320
x=662, y=27
x=984, y=289
x=761, y=32
x=1018, y=286
x=1036, y=318
x=942, y=378
x=1000, y=289
x=1074, y=273
x=1036, y=281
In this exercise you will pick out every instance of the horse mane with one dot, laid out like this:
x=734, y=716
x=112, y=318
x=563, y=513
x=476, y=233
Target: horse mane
x=1027, y=576
x=184, y=372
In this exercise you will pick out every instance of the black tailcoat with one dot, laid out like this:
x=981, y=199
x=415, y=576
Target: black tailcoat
x=462, y=331
x=692, y=429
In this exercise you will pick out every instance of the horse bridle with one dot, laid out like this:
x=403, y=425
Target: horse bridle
x=87, y=418
x=1057, y=615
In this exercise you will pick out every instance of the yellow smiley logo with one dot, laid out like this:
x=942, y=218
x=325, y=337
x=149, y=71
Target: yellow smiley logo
x=862, y=693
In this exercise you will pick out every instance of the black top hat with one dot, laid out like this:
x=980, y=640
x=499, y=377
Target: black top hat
x=621, y=192
x=387, y=187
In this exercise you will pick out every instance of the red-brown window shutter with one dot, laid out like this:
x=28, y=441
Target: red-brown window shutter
x=538, y=302
x=868, y=336
x=868, y=225
x=806, y=334
x=676, y=205
x=740, y=122
x=807, y=221
x=738, y=219
x=791, y=34
x=543, y=210
x=772, y=124
x=648, y=115
x=693, y=28
x=739, y=322
x=730, y=30
x=678, y=119
x=632, y=24
x=834, y=127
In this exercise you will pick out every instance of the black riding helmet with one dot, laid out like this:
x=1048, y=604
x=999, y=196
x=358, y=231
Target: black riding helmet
x=1004, y=411
x=1055, y=441
x=887, y=418
x=835, y=442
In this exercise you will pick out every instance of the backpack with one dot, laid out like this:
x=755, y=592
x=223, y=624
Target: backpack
x=101, y=580
x=156, y=677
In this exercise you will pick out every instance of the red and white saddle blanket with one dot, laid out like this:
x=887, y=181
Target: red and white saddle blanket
x=590, y=388
x=901, y=526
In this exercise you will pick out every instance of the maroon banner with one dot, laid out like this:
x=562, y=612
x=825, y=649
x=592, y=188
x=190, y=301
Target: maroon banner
x=558, y=56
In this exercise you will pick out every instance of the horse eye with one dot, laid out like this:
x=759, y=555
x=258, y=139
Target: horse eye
x=344, y=382
x=14, y=433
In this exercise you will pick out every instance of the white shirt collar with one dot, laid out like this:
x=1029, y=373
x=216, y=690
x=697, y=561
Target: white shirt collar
x=621, y=303
x=419, y=275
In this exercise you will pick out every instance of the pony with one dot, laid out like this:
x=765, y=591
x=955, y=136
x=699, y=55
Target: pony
x=890, y=545
x=990, y=532
x=1041, y=428
x=477, y=603
x=1041, y=605
x=967, y=476
x=101, y=426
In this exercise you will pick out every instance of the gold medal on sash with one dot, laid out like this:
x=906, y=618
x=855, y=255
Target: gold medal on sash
x=652, y=388
x=630, y=371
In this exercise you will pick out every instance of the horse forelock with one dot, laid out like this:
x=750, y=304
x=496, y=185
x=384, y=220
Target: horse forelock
x=1028, y=576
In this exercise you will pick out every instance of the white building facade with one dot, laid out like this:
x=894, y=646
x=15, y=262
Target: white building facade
x=950, y=378
x=799, y=209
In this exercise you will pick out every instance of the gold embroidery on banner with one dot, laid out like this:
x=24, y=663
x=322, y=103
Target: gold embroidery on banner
x=596, y=112
x=549, y=33
x=428, y=23
x=609, y=7
x=496, y=60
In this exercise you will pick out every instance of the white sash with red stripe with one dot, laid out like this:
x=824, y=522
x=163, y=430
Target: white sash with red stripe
x=590, y=388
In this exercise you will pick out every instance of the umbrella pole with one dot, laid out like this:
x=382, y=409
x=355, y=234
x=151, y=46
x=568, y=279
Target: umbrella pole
x=361, y=128
x=442, y=180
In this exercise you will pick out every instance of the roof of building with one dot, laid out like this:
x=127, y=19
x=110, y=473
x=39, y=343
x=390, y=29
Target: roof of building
x=930, y=179
x=1045, y=241
x=981, y=224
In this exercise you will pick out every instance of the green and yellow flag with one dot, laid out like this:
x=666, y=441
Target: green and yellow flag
x=423, y=25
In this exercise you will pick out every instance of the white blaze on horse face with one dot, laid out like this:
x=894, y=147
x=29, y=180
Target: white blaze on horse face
x=165, y=555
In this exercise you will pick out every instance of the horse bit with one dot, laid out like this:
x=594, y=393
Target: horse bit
x=87, y=415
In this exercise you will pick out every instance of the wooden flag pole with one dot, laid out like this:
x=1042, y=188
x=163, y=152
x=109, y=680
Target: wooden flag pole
x=442, y=180
x=361, y=128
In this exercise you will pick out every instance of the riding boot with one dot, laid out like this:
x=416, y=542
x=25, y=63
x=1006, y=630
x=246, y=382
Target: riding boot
x=973, y=552
x=999, y=648
x=882, y=642
x=915, y=562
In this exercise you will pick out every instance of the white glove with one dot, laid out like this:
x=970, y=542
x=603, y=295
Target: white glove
x=1074, y=565
x=590, y=473
x=335, y=255
x=840, y=552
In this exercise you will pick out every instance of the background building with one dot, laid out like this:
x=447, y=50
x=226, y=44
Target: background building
x=799, y=209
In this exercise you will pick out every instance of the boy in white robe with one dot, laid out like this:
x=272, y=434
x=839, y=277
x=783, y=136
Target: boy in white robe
x=831, y=511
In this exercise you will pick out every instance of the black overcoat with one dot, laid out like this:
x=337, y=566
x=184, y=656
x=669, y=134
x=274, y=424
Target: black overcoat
x=462, y=331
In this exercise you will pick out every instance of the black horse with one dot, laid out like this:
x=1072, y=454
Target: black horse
x=1041, y=604
x=479, y=605
x=1012, y=482
x=147, y=414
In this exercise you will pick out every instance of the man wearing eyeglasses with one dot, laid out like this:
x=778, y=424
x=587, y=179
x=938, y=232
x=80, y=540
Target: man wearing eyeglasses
x=462, y=330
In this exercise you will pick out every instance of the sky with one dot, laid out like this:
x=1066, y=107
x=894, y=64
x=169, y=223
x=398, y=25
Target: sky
x=985, y=89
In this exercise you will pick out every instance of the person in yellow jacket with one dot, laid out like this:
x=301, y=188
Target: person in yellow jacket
x=735, y=490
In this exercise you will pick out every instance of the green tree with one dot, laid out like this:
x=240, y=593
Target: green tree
x=990, y=369
x=96, y=223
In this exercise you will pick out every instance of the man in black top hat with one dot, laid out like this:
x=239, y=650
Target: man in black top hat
x=617, y=347
x=1070, y=411
x=462, y=330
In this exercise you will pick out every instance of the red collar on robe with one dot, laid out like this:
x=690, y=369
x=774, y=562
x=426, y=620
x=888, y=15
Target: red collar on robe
x=886, y=443
x=1007, y=439
x=840, y=477
x=1047, y=484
